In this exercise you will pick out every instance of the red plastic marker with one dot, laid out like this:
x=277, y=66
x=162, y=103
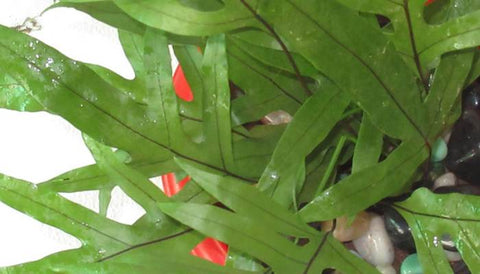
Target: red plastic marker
x=181, y=86
x=170, y=186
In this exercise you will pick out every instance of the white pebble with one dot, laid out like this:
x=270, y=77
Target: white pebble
x=453, y=256
x=447, y=179
x=277, y=118
x=386, y=269
x=375, y=246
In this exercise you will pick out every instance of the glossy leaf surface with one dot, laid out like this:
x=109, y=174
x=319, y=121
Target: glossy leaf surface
x=431, y=216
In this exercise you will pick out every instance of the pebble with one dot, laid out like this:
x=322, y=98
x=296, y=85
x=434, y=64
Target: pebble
x=463, y=157
x=447, y=179
x=386, y=269
x=277, y=118
x=471, y=97
x=439, y=150
x=398, y=230
x=411, y=265
x=437, y=169
x=453, y=256
x=344, y=231
x=460, y=268
x=375, y=245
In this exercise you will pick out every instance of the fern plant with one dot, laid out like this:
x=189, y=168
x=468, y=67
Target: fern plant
x=371, y=85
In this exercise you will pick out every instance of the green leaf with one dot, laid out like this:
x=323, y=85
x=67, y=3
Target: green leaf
x=258, y=241
x=367, y=66
x=446, y=89
x=104, y=199
x=316, y=165
x=264, y=48
x=137, y=186
x=368, y=186
x=310, y=125
x=421, y=43
x=282, y=255
x=204, y=5
x=266, y=89
x=240, y=233
x=216, y=102
x=431, y=216
x=173, y=16
x=51, y=208
x=441, y=11
x=163, y=107
x=39, y=78
x=271, y=50
x=193, y=193
x=190, y=59
x=247, y=200
x=253, y=154
x=461, y=33
x=241, y=261
x=475, y=72
x=372, y=6
x=368, y=147
x=170, y=254
x=92, y=177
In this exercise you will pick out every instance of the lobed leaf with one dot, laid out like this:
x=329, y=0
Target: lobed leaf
x=446, y=89
x=368, y=186
x=368, y=147
x=50, y=208
x=310, y=125
x=247, y=200
x=174, y=17
x=431, y=216
x=216, y=102
x=46, y=80
x=136, y=185
x=331, y=36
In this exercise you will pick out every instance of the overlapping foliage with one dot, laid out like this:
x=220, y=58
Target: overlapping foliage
x=362, y=94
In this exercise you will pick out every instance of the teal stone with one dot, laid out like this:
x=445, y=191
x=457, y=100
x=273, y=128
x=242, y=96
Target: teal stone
x=411, y=265
x=439, y=150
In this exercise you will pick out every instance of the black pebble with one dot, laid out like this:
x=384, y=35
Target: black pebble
x=398, y=230
x=422, y=183
x=401, y=234
x=460, y=268
x=463, y=189
x=463, y=157
x=471, y=96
